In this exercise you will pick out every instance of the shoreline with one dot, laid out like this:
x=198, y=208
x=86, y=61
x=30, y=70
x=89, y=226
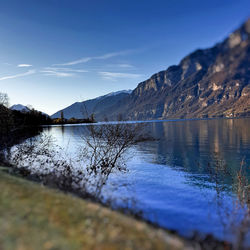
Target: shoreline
x=145, y=121
x=37, y=217
x=187, y=243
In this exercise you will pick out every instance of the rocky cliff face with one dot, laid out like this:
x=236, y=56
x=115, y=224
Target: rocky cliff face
x=213, y=82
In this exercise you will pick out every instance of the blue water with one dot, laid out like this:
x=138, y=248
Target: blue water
x=169, y=177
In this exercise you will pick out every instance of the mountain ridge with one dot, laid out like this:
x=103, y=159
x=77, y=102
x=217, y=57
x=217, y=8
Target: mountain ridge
x=212, y=82
x=97, y=106
x=20, y=107
x=193, y=87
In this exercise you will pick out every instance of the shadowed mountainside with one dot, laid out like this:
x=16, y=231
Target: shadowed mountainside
x=212, y=82
x=100, y=106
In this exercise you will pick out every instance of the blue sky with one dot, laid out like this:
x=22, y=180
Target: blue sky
x=56, y=52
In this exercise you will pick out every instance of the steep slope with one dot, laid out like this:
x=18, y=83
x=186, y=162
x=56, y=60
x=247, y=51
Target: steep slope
x=100, y=106
x=213, y=82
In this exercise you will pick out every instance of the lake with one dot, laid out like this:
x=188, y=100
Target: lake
x=170, y=178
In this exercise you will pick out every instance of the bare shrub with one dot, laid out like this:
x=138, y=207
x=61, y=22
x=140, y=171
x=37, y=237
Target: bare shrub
x=4, y=99
x=242, y=189
x=104, y=148
x=234, y=217
x=102, y=153
x=39, y=159
x=6, y=125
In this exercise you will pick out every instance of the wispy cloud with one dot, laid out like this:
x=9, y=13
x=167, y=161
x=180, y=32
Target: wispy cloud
x=102, y=57
x=125, y=65
x=23, y=65
x=82, y=60
x=56, y=73
x=30, y=72
x=115, y=75
x=66, y=69
x=61, y=72
x=121, y=65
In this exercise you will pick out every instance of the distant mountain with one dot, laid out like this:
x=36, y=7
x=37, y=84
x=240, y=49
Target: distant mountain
x=129, y=91
x=212, y=82
x=20, y=107
x=24, y=109
x=100, y=106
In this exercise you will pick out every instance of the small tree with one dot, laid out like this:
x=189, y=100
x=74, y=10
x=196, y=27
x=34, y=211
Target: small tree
x=30, y=107
x=236, y=216
x=62, y=117
x=92, y=118
x=6, y=124
x=4, y=99
x=104, y=148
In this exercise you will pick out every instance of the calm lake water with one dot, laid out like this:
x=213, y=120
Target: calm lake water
x=170, y=177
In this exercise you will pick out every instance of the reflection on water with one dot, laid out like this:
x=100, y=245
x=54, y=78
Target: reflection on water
x=170, y=175
x=194, y=144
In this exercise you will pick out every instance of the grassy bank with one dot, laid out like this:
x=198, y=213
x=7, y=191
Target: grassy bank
x=36, y=217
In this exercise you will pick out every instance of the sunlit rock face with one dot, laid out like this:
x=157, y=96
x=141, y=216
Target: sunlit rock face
x=240, y=35
x=207, y=83
x=234, y=40
x=212, y=82
x=216, y=87
x=218, y=67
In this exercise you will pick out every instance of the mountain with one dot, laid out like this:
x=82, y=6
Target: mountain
x=100, y=106
x=129, y=91
x=213, y=82
x=20, y=107
x=24, y=109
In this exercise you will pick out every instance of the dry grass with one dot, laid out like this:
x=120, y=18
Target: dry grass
x=35, y=217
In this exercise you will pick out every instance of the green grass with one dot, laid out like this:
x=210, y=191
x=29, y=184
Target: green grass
x=36, y=217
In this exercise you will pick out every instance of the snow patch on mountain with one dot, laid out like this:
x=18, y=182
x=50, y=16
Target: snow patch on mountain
x=20, y=107
x=128, y=91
